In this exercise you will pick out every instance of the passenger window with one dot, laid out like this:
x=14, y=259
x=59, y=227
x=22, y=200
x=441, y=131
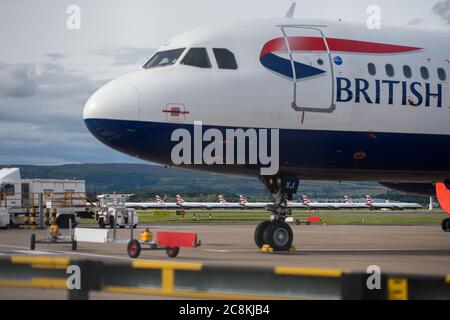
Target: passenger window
x=407, y=71
x=225, y=59
x=164, y=58
x=424, y=73
x=441, y=74
x=390, y=70
x=372, y=69
x=197, y=57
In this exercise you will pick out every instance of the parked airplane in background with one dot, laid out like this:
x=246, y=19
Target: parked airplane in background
x=391, y=205
x=338, y=101
x=201, y=205
x=159, y=204
x=354, y=205
x=229, y=205
x=315, y=205
x=252, y=205
x=263, y=205
x=348, y=204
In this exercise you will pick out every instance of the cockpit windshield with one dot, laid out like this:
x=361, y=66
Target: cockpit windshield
x=164, y=58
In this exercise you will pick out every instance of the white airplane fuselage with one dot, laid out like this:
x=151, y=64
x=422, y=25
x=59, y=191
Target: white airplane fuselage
x=394, y=205
x=350, y=103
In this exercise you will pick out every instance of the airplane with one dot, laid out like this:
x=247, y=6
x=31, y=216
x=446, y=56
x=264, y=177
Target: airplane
x=354, y=205
x=159, y=204
x=330, y=100
x=252, y=205
x=180, y=203
x=391, y=205
x=200, y=205
x=262, y=205
x=347, y=204
x=317, y=205
x=229, y=205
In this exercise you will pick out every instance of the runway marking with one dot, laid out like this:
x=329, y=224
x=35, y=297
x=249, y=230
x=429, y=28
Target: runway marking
x=25, y=250
x=330, y=250
x=227, y=250
x=74, y=253
x=374, y=249
x=33, y=252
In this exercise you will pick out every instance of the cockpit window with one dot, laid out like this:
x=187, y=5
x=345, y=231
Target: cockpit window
x=225, y=59
x=197, y=57
x=164, y=58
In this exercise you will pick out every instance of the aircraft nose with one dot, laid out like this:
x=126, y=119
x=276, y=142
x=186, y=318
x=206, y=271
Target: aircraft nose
x=115, y=100
x=118, y=99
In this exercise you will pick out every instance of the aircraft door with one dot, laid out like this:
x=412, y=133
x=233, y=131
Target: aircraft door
x=312, y=69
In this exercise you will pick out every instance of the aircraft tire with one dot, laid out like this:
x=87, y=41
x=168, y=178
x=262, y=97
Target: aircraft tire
x=278, y=235
x=445, y=225
x=33, y=242
x=111, y=222
x=259, y=231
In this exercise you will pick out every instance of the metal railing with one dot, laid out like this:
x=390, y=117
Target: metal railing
x=195, y=280
x=70, y=199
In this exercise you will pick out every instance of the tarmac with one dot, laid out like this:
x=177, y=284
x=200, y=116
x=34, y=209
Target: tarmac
x=415, y=249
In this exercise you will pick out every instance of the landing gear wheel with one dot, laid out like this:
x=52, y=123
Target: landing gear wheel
x=134, y=248
x=259, y=233
x=111, y=222
x=33, y=242
x=278, y=235
x=62, y=222
x=172, y=252
x=445, y=225
x=74, y=245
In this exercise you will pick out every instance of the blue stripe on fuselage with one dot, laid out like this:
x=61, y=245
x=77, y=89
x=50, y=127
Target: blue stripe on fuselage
x=315, y=149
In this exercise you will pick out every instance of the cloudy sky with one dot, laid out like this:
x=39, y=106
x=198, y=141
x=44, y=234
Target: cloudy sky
x=47, y=72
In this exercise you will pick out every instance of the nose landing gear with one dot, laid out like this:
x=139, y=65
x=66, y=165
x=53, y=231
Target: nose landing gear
x=277, y=233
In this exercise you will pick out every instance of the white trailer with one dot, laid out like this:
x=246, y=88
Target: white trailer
x=4, y=218
x=66, y=197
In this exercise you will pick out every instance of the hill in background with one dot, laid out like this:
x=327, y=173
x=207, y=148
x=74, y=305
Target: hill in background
x=146, y=180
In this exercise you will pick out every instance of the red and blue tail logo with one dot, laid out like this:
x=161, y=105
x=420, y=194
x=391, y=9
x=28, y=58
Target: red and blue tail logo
x=270, y=59
x=159, y=200
x=348, y=199
x=179, y=199
x=222, y=199
x=306, y=199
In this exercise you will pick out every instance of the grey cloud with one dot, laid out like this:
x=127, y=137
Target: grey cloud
x=443, y=10
x=17, y=80
x=126, y=55
x=55, y=56
x=414, y=22
x=45, y=126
